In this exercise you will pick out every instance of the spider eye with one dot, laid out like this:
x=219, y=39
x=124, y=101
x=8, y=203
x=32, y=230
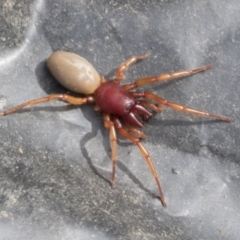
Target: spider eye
x=73, y=72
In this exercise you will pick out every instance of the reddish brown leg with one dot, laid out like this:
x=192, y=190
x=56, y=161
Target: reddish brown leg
x=145, y=154
x=52, y=97
x=135, y=131
x=165, y=77
x=124, y=66
x=179, y=107
x=151, y=105
x=113, y=142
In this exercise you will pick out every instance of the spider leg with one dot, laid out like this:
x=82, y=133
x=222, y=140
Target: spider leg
x=52, y=97
x=113, y=142
x=178, y=107
x=157, y=108
x=124, y=66
x=135, y=131
x=165, y=77
x=145, y=154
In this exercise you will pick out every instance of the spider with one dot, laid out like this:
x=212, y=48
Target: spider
x=124, y=109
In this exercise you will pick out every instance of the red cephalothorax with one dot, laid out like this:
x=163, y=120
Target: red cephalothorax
x=112, y=98
x=123, y=110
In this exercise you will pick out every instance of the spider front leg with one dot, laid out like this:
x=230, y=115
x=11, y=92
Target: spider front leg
x=113, y=142
x=139, y=134
x=145, y=154
x=124, y=66
x=157, y=108
x=165, y=77
x=178, y=107
x=52, y=97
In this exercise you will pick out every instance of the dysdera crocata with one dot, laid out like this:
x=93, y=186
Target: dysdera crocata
x=124, y=109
